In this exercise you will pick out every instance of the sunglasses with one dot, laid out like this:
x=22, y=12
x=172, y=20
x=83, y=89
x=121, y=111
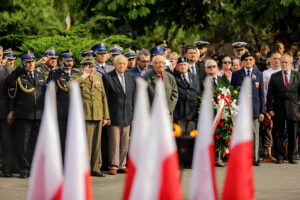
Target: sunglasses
x=298, y=58
x=212, y=66
x=227, y=62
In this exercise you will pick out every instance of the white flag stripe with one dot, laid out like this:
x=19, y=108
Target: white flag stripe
x=44, y=183
x=160, y=144
x=242, y=125
x=202, y=183
x=141, y=120
x=76, y=156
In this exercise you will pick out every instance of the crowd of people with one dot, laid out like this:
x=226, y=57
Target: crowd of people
x=108, y=97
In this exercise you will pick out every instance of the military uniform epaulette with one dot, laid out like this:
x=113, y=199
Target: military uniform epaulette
x=45, y=70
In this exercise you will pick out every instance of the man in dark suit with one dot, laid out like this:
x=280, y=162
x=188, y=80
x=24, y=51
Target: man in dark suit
x=27, y=87
x=186, y=110
x=120, y=91
x=283, y=104
x=196, y=68
x=6, y=135
x=258, y=100
x=158, y=73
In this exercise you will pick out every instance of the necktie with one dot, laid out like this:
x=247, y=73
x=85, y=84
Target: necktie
x=31, y=75
x=123, y=82
x=214, y=82
x=186, y=83
x=286, y=80
x=248, y=72
x=193, y=70
x=90, y=79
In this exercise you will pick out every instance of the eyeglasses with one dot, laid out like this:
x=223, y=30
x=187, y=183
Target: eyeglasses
x=144, y=61
x=298, y=58
x=227, y=62
x=212, y=66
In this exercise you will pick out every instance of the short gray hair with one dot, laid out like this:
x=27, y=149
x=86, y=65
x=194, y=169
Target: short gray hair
x=1, y=48
x=210, y=61
x=155, y=58
x=118, y=57
x=237, y=58
x=287, y=56
x=142, y=52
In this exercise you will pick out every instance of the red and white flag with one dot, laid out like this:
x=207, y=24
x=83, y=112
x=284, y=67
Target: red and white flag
x=46, y=180
x=77, y=184
x=203, y=183
x=239, y=175
x=157, y=173
x=139, y=132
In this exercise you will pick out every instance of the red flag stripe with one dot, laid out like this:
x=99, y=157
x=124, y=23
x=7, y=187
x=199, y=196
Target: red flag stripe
x=129, y=178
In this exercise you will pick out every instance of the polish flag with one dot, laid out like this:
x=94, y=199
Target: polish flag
x=139, y=131
x=239, y=175
x=46, y=180
x=157, y=173
x=203, y=183
x=77, y=184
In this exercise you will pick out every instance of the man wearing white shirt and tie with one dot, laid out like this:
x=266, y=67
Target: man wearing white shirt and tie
x=190, y=52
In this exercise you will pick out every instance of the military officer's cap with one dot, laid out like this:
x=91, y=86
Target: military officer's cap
x=28, y=56
x=182, y=59
x=201, y=44
x=158, y=50
x=100, y=48
x=239, y=45
x=66, y=55
x=163, y=43
x=87, y=53
x=50, y=53
x=8, y=54
x=246, y=55
x=116, y=50
x=130, y=54
x=87, y=60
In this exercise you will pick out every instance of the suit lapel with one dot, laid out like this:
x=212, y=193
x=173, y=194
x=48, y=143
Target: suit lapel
x=281, y=81
x=243, y=73
x=117, y=81
x=292, y=77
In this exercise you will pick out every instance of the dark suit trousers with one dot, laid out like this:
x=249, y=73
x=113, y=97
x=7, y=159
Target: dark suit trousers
x=26, y=132
x=6, y=138
x=292, y=127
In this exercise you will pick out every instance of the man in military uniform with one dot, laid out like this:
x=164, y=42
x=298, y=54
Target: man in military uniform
x=6, y=135
x=95, y=108
x=101, y=57
x=87, y=53
x=114, y=52
x=47, y=63
x=202, y=47
x=239, y=48
x=131, y=56
x=27, y=90
x=8, y=57
x=61, y=77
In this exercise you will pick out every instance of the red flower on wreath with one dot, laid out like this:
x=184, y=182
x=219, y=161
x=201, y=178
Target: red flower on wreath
x=229, y=128
x=227, y=141
x=221, y=124
x=217, y=137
